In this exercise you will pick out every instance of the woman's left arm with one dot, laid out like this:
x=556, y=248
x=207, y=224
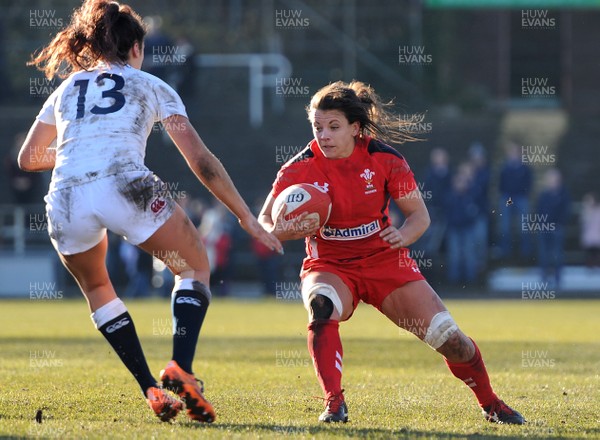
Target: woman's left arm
x=415, y=224
x=35, y=154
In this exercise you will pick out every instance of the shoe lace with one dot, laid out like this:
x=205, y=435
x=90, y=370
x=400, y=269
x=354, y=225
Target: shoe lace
x=505, y=408
x=200, y=384
x=499, y=407
x=333, y=402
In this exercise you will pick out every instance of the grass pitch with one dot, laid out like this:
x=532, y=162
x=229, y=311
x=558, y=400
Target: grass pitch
x=543, y=358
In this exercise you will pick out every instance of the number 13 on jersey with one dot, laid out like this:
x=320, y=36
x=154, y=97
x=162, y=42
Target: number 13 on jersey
x=112, y=93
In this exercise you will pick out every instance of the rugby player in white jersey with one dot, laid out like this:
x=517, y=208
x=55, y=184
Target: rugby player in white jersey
x=100, y=117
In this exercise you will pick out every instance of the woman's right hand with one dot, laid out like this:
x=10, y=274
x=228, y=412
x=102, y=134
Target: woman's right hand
x=295, y=228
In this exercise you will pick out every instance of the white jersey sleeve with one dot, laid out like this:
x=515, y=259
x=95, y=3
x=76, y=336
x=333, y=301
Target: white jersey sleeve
x=168, y=101
x=46, y=114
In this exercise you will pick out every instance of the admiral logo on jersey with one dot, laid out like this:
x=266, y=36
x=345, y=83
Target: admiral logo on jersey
x=354, y=233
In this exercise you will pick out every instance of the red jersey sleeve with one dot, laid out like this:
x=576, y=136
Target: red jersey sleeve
x=285, y=177
x=401, y=178
x=292, y=172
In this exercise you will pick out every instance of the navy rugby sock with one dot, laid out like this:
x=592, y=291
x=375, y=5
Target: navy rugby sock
x=115, y=324
x=189, y=302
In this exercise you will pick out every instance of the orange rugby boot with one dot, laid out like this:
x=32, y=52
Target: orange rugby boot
x=190, y=390
x=164, y=406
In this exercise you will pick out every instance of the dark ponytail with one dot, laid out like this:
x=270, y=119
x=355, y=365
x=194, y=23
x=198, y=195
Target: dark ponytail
x=99, y=30
x=359, y=102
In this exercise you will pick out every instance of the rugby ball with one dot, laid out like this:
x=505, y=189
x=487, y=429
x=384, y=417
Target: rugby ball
x=303, y=197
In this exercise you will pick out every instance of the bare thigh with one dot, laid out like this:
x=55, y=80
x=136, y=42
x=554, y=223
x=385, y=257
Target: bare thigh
x=412, y=307
x=89, y=270
x=178, y=244
x=342, y=290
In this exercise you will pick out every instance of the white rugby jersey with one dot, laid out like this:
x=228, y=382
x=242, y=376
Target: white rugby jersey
x=103, y=118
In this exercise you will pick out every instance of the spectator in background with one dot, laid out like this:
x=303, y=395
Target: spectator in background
x=553, y=205
x=24, y=186
x=269, y=265
x=480, y=187
x=158, y=49
x=590, y=229
x=216, y=231
x=269, y=268
x=436, y=186
x=461, y=213
x=193, y=207
x=114, y=264
x=515, y=187
x=184, y=76
x=172, y=60
x=5, y=76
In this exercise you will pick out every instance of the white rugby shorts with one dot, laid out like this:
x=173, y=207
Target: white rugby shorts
x=132, y=204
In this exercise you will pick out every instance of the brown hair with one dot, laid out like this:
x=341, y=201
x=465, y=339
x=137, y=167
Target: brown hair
x=359, y=102
x=99, y=30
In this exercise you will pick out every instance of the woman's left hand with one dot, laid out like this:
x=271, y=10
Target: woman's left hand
x=393, y=236
x=256, y=230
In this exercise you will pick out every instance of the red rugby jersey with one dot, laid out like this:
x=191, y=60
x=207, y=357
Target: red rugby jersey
x=360, y=187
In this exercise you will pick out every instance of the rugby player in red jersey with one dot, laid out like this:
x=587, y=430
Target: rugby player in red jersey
x=359, y=255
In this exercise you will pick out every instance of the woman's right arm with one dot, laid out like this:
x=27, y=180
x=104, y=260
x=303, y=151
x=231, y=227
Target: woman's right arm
x=293, y=229
x=213, y=175
x=35, y=154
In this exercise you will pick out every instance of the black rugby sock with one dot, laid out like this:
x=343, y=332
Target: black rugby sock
x=189, y=308
x=121, y=335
